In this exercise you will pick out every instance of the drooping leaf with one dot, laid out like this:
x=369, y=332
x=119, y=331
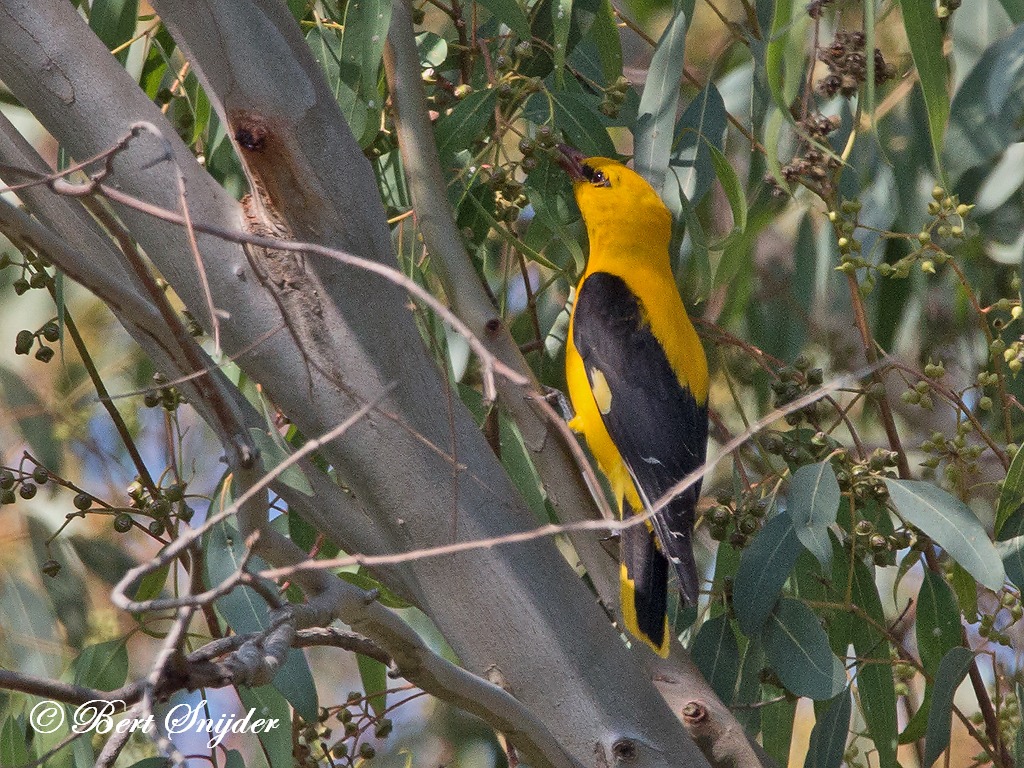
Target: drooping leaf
x=925, y=38
x=717, y=655
x=702, y=125
x=459, y=129
x=245, y=611
x=103, y=666
x=509, y=13
x=1011, y=495
x=271, y=705
x=561, y=23
x=828, y=737
x=652, y=139
x=21, y=403
x=274, y=453
x=114, y=22
x=875, y=685
x=13, y=741
x=798, y=650
x=938, y=620
x=952, y=670
x=732, y=187
x=374, y=676
x=764, y=567
x=575, y=116
x=813, y=503
x=609, y=46
x=987, y=110
x=951, y=524
x=777, y=718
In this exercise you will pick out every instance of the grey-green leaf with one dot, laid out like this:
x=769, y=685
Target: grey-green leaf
x=952, y=525
x=938, y=620
x=813, y=503
x=828, y=737
x=764, y=567
x=951, y=673
x=925, y=38
x=798, y=650
x=987, y=112
x=1011, y=495
x=658, y=103
x=510, y=13
x=717, y=655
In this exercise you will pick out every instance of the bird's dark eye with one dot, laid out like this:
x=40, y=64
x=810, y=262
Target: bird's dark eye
x=595, y=177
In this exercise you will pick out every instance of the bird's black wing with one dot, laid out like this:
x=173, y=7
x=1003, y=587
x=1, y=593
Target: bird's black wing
x=657, y=425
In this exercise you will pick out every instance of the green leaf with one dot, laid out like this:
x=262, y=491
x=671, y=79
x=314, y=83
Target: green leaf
x=987, y=113
x=875, y=685
x=459, y=129
x=1011, y=496
x=245, y=611
x=13, y=741
x=777, y=720
x=1012, y=555
x=575, y=116
x=652, y=139
x=509, y=13
x=717, y=655
x=813, y=503
x=776, y=53
x=34, y=419
x=828, y=737
x=561, y=23
x=104, y=559
x=966, y=592
x=24, y=607
x=798, y=650
x=938, y=620
x=609, y=46
x=748, y=691
x=103, y=666
x=343, y=80
x=925, y=38
x=66, y=589
x=271, y=705
x=362, y=43
x=364, y=580
x=952, y=671
x=732, y=187
x=374, y=676
x=951, y=524
x=702, y=125
x=433, y=49
x=764, y=567
x=114, y=21
x=274, y=452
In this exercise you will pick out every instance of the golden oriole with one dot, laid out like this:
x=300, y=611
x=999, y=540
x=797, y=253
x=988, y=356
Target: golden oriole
x=638, y=382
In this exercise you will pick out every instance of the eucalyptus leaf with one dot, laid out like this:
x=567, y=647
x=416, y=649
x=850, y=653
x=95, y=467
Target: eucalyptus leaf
x=938, y=620
x=1011, y=495
x=798, y=650
x=764, y=567
x=652, y=139
x=951, y=524
x=813, y=503
x=925, y=38
x=952, y=670
x=828, y=737
x=717, y=655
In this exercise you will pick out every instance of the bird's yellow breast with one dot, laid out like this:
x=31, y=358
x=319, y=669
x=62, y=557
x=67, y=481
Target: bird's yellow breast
x=629, y=230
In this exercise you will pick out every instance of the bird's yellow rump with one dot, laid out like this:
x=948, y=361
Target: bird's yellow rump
x=638, y=381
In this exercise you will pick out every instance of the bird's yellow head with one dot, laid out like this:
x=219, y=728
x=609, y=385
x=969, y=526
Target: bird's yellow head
x=610, y=194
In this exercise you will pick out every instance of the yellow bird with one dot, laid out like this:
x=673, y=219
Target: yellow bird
x=638, y=381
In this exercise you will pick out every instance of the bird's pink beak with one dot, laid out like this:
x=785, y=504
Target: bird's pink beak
x=571, y=160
